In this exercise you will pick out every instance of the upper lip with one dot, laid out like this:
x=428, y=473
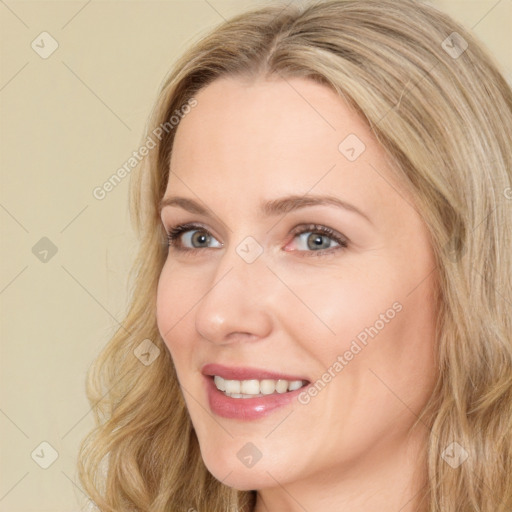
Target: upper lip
x=245, y=373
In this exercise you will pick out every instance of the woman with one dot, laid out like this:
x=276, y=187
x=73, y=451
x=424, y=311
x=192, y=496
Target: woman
x=320, y=316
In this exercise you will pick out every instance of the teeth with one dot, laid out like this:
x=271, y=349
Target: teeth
x=220, y=383
x=281, y=386
x=253, y=388
x=232, y=386
x=294, y=384
x=267, y=386
x=250, y=387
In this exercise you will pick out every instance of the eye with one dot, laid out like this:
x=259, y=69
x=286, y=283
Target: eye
x=315, y=239
x=187, y=237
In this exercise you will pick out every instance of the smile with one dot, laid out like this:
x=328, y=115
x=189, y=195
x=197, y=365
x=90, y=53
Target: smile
x=243, y=393
x=256, y=388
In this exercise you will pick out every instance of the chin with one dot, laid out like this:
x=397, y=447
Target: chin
x=245, y=479
x=232, y=472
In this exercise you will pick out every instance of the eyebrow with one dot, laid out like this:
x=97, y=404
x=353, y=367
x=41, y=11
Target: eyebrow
x=274, y=207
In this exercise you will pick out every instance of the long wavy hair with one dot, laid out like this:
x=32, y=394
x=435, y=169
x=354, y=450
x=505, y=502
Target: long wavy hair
x=436, y=101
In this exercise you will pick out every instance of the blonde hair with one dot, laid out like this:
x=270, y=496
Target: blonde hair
x=443, y=113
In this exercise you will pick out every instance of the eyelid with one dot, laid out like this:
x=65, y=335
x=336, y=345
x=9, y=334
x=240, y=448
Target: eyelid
x=319, y=228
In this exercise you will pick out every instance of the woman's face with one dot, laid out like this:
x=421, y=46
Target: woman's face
x=280, y=288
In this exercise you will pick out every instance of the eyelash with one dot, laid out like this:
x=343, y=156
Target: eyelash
x=175, y=232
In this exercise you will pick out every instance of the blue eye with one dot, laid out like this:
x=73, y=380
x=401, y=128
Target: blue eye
x=319, y=239
x=192, y=233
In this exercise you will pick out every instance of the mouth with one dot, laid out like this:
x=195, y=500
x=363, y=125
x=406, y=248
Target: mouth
x=249, y=393
x=254, y=388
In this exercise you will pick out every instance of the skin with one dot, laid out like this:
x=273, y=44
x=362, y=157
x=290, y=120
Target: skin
x=293, y=311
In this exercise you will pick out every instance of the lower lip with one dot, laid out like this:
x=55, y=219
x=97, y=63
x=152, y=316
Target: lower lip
x=246, y=408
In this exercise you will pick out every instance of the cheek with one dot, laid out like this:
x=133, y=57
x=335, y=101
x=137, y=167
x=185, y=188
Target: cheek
x=174, y=305
x=337, y=304
x=376, y=318
x=386, y=337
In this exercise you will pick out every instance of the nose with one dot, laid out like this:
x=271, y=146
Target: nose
x=239, y=302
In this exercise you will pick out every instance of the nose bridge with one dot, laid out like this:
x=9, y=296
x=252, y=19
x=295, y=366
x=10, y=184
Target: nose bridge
x=237, y=298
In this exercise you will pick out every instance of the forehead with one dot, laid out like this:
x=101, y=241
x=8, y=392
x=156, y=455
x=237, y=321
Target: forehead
x=265, y=117
x=274, y=136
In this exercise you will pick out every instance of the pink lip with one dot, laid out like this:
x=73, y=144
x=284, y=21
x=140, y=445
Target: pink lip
x=245, y=408
x=240, y=373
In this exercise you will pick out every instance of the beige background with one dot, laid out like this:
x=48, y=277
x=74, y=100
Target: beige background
x=68, y=123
